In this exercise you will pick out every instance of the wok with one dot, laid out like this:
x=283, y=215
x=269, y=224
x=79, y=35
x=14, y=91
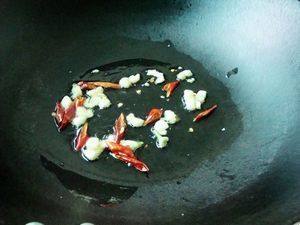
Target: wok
x=248, y=174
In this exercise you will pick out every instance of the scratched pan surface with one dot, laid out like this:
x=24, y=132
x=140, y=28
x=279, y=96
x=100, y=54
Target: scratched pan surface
x=247, y=174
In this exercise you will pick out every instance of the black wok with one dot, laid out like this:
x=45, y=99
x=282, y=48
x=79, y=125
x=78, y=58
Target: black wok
x=248, y=174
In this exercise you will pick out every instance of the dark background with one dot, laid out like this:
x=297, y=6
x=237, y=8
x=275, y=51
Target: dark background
x=261, y=38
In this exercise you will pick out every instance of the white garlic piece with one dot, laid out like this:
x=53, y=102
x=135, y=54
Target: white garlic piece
x=159, y=76
x=104, y=103
x=134, y=78
x=91, y=102
x=134, y=121
x=81, y=116
x=162, y=142
x=170, y=117
x=134, y=145
x=189, y=99
x=93, y=148
x=125, y=82
x=191, y=80
x=184, y=74
x=76, y=91
x=201, y=96
x=95, y=92
x=192, y=100
x=66, y=102
x=161, y=127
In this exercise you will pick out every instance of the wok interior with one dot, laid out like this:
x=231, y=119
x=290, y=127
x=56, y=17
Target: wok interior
x=42, y=56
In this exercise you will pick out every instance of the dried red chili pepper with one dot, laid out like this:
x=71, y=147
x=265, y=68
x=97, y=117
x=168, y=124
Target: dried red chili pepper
x=120, y=149
x=93, y=84
x=139, y=165
x=125, y=154
x=205, y=113
x=154, y=115
x=120, y=128
x=69, y=115
x=58, y=113
x=81, y=138
x=64, y=116
x=170, y=87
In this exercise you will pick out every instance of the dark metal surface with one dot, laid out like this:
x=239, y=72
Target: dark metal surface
x=249, y=178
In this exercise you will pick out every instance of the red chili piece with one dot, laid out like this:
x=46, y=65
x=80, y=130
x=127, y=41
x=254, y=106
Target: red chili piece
x=139, y=165
x=126, y=155
x=64, y=116
x=205, y=113
x=58, y=114
x=120, y=149
x=81, y=138
x=153, y=116
x=170, y=87
x=120, y=128
x=88, y=85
